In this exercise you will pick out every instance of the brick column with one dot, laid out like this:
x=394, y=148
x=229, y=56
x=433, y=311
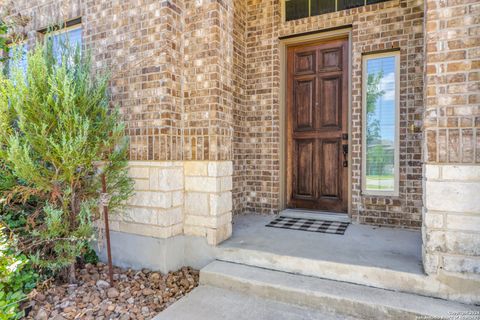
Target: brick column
x=451, y=228
x=208, y=118
x=208, y=97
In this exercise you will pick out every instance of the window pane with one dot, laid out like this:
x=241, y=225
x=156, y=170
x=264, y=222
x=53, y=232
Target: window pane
x=375, y=1
x=296, y=9
x=348, y=4
x=17, y=57
x=322, y=6
x=72, y=38
x=380, y=123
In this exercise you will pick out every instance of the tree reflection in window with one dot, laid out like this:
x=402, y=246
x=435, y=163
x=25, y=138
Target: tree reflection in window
x=380, y=123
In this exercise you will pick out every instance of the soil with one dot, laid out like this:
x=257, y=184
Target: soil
x=135, y=294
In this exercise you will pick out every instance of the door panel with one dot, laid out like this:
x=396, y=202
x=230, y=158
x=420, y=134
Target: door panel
x=305, y=62
x=329, y=168
x=330, y=95
x=331, y=59
x=304, y=171
x=317, y=99
x=305, y=92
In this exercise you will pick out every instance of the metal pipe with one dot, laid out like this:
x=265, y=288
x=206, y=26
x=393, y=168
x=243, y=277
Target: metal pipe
x=107, y=229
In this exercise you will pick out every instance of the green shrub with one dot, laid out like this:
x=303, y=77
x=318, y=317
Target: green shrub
x=17, y=278
x=56, y=127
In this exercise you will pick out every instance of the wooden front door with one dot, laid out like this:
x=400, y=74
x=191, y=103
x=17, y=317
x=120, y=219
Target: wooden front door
x=317, y=142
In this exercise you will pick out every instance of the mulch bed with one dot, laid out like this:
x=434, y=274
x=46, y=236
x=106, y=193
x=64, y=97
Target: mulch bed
x=136, y=294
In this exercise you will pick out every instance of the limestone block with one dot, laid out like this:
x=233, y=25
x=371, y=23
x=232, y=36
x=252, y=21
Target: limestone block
x=141, y=215
x=138, y=172
x=461, y=264
x=461, y=173
x=166, y=179
x=202, y=184
x=151, y=199
x=177, y=198
x=141, y=184
x=139, y=163
x=196, y=168
x=452, y=196
x=432, y=171
x=463, y=243
x=435, y=241
x=169, y=217
x=433, y=220
x=464, y=222
x=220, y=168
x=430, y=262
x=220, y=203
x=226, y=183
x=208, y=221
x=196, y=203
x=198, y=231
x=216, y=236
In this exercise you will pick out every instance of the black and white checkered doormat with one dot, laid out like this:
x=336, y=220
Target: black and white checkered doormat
x=312, y=225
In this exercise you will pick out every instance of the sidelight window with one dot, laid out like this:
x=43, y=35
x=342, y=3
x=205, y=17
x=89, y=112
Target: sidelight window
x=380, y=123
x=297, y=9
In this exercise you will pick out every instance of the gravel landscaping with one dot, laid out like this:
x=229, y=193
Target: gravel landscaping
x=136, y=294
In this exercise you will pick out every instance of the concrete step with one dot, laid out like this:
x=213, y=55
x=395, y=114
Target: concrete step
x=212, y=303
x=373, y=276
x=327, y=296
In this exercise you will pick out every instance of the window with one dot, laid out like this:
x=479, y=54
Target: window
x=71, y=36
x=297, y=9
x=380, y=123
x=17, y=57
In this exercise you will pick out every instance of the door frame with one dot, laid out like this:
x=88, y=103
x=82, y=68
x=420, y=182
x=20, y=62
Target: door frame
x=344, y=33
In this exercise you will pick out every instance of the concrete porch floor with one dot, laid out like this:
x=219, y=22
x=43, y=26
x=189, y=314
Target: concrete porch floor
x=361, y=245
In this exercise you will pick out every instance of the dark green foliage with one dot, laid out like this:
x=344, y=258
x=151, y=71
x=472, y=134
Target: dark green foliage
x=3, y=40
x=17, y=277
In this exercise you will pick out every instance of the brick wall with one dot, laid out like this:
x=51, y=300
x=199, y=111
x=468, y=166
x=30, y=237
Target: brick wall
x=390, y=25
x=239, y=111
x=208, y=97
x=451, y=229
x=452, y=115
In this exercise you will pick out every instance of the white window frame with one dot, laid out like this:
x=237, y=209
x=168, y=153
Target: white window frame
x=365, y=58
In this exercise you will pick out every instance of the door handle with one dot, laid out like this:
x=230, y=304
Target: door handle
x=345, y=153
